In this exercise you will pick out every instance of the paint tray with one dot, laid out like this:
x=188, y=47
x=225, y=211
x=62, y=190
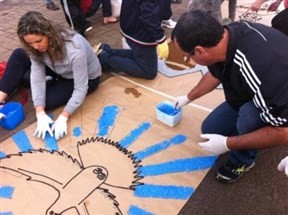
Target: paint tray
x=166, y=113
x=13, y=115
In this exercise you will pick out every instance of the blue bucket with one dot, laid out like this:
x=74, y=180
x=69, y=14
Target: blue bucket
x=14, y=115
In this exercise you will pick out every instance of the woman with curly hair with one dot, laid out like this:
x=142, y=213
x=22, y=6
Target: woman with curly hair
x=62, y=57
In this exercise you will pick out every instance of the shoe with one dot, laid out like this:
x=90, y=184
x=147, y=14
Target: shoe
x=52, y=6
x=176, y=1
x=110, y=19
x=168, y=23
x=97, y=48
x=230, y=173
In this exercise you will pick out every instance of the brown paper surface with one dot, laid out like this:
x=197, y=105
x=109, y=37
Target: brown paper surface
x=116, y=159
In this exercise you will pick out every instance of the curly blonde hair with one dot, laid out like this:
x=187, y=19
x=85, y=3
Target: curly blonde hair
x=34, y=22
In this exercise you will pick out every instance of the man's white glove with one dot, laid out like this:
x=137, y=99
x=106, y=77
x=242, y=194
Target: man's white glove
x=283, y=166
x=43, y=125
x=216, y=144
x=60, y=127
x=181, y=101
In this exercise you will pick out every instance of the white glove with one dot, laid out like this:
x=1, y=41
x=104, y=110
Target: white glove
x=181, y=101
x=216, y=144
x=60, y=127
x=43, y=125
x=283, y=165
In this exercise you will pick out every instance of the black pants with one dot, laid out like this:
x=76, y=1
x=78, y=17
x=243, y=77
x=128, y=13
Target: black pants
x=280, y=21
x=58, y=90
x=165, y=9
x=77, y=18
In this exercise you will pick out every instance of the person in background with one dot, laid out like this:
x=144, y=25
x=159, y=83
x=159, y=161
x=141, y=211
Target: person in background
x=140, y=24
x=281, y=19
x=254, y=114
x=69, y=61
x=77, y=11
x=166, y=13
x=51, y=5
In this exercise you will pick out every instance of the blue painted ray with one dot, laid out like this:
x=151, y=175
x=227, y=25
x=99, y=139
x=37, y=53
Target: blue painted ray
x=107, y=119
x=6, y=213
x=134, y=210
x=22, y=141
x=6, y=192
x=134, y=134
x=163, y=191
x=178, y=139
x=2, y=155
x=180, y=165
x=50, y=142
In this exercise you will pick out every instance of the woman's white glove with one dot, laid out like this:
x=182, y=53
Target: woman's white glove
x=283, y=166
x=181, y=101
x=43, y=125
x=60, y=127
x=216, y=144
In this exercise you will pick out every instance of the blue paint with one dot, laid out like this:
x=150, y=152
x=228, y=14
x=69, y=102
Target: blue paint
x=134, y=210
x=2, y=155
x=50, y=142
x=134, y=134
x=22, y=141
x=6, y=192
x=107, y=119
x=160, y=147
x=6, y=213
x=168, y=109
x=163, y=191
x=77, y=132
x=181, y=165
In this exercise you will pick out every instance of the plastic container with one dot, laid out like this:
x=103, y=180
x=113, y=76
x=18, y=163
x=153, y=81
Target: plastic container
x=166, y=113
x=14, y=115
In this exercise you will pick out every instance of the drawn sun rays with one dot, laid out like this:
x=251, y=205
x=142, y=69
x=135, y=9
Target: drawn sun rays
x=144, y=190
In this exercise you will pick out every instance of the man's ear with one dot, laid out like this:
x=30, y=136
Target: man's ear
x=199, y=50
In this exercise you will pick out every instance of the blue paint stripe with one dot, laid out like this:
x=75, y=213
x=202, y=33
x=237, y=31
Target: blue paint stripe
x=6, y=192
x=163, y=191
x=22, y=141
x=6, y=213
x=50, y=142
x=134, y=210
x=160, y=147
x=107, y=119
x=181, y=165
x=134, y=134
x=2, y=155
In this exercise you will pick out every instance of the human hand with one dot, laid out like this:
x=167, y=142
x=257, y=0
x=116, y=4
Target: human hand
x=60, y=127
x=181, y=101
x=256, y=5
x=43, y=125
x=163, y=50
x=283, y=165
x=216, y=144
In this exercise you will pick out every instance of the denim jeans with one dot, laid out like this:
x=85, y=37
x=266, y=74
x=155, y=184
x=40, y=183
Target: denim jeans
x=227, y=121
x=139, y=61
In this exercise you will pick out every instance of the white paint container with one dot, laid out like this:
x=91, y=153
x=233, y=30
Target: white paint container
x=166, y=113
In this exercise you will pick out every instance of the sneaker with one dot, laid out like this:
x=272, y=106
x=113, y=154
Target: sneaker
x=97, y=48
x=230, y=173
x=168, y=23
x=52, y=6
x=176, y=1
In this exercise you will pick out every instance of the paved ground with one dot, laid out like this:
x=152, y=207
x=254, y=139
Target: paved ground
x=261, y=191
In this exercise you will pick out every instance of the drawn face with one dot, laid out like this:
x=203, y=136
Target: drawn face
x=38, y=42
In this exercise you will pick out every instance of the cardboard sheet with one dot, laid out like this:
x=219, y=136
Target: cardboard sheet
x=116, y=159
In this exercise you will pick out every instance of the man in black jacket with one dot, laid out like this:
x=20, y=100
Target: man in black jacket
x=251, y=63
x=140, y=25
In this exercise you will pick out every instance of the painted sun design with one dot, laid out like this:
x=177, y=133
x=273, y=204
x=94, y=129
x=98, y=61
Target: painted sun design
x=94, y=182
